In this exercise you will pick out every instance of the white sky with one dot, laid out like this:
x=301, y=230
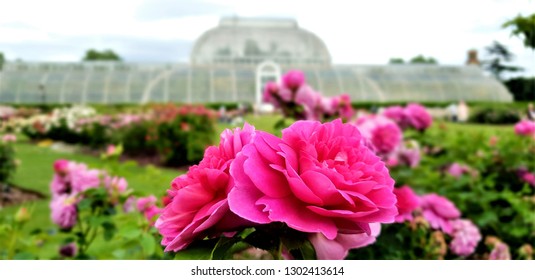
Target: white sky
x=356, y=32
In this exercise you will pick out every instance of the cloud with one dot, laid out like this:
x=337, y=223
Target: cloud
x=172, y=9
x=73, y=48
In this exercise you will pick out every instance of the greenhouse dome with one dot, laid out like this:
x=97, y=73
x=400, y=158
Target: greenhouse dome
x=232, y=62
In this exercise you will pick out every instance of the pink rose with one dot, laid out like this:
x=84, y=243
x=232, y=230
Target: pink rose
x=198, y=204
x=129, y=204
x=526, y=176
x=63, y=211
x=319, y=178
x=525, y=128
x=151, y=212
x=407, y=202
x=68, y=250
x=439, y=212
x=397, y=114
x=418, y=116
x=84, y=179
x=500, y=252
x=110, y=150
x=59, y=185
x=457, y=170
x=61, y=166
x=343, y=104
x=529, y=178
x=466, y=236
x=8, y=138
x=293, y=79
x=338, y=248
x=115, y=184
x=144, y=203
x=383, y=134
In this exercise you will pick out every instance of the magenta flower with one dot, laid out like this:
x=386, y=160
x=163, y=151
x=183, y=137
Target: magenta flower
x=144, y=203
x=63, y=211
x=310, y=101
x=115, y=185
x=397, y=114
x=407, y=202
x=59, y=185
x=408, y=154
x=271, y=91
x=457, y=170
x=466, y=236
x=82, y=180
x=500, y=252
x=526, y=176
x=342, y=103
x=319, y=178
x=525, y=128
x=418, y=116
x=198, y=205
x=151, y=212
x=439, y=212
x=384, y=134
x=293, y=79
x=529, y=178
x=68, y=250
x=61, y=166
x=130, y=204
x=338, y=248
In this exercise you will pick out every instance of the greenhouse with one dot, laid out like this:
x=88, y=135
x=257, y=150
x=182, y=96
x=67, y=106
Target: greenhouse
x=231, y=62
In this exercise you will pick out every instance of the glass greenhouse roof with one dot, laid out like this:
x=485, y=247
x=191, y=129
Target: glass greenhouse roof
x=140, y=83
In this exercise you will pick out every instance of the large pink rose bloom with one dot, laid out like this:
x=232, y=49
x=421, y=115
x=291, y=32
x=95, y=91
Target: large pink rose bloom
x=439, y=212
x=418, y=116
x=338, y=248
x=525, y=128
x=63, y=211
x=407, y=202
x=319, y=178
x=198, y=206
x=384, y=134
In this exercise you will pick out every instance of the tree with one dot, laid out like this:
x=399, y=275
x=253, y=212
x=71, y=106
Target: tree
x=420, y=59
x=396, y=60
x=499, y=54
x=2, y=60
x=523, y=27
x=106, y=55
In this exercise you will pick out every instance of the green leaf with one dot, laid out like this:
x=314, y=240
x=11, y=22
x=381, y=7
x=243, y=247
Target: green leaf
x=148, y=244
x=222, y=250
x=24, y=256
x=84, y=204
x=109, y=230
x=199, y=250
x=130, y=232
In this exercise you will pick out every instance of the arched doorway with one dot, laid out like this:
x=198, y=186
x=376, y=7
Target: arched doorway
x=265, y=72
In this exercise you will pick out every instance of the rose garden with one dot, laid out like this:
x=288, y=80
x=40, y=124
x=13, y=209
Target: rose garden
x=321, y=178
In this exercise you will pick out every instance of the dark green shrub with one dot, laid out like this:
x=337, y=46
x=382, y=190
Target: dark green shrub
x=7, y=161
x=495, y=115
